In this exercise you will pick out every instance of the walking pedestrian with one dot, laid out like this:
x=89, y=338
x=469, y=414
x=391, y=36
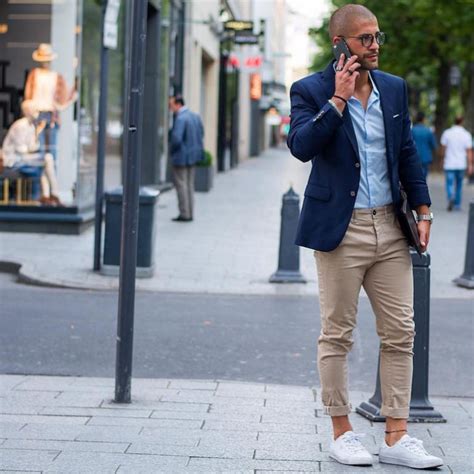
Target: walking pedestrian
x=425, y=142
x=186, y=144
x=456, y=150
x=352, y=122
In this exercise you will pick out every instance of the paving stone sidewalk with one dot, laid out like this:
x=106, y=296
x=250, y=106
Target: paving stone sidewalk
x=71, y=425
x=232, y=245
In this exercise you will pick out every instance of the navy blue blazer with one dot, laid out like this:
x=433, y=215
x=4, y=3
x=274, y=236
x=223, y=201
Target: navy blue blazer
x=318, y=133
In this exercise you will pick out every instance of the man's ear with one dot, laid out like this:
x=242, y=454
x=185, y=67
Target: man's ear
x=336, y=39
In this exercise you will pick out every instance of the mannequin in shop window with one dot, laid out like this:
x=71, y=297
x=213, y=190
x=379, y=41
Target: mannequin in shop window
x=22, y=152
x=48, y=89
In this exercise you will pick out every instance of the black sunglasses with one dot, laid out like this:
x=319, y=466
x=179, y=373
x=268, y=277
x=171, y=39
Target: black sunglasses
x=367, y=39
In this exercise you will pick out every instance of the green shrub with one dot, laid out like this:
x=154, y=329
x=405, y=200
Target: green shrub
x=207, y=161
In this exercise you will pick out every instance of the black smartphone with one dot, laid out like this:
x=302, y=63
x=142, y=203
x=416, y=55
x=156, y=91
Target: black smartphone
x=341, y=48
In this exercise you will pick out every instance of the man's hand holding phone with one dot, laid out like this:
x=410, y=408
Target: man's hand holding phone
x=346, y=75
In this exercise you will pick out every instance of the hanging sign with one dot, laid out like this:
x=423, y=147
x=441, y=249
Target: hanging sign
x=246, y=38
x=110, y=39
x=238, y=25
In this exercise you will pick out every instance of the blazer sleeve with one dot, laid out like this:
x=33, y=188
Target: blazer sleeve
x=310, y=128
x=409, y=163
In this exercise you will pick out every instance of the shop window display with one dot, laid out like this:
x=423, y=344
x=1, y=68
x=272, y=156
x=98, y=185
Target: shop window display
x=39, y=70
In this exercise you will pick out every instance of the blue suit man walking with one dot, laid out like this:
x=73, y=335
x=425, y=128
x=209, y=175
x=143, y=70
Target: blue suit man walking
x=351, y=121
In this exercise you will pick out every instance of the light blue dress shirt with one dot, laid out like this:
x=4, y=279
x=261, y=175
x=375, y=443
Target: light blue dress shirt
x=374, y=186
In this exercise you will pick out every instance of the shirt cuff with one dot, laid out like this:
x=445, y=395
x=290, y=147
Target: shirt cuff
x=334, y=106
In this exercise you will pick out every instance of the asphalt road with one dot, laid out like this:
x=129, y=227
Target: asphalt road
x=247, y=338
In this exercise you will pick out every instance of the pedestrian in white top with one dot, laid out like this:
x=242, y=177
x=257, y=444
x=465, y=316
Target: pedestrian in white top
x=456, y=149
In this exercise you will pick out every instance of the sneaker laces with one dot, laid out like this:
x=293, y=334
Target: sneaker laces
x=414, y=445
x=353, y=444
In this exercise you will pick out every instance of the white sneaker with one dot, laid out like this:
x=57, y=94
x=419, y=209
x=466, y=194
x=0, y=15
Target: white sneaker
x=347, y=449
x=409, y=452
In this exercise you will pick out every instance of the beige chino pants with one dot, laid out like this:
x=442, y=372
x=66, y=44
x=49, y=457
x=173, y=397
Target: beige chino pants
x=373, y=254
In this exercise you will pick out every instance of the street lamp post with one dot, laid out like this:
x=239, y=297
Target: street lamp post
x=132, y=153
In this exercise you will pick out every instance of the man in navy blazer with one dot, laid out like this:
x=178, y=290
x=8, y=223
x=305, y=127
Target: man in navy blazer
x=352, y=122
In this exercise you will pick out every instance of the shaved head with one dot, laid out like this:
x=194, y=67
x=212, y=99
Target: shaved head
x=343, y=19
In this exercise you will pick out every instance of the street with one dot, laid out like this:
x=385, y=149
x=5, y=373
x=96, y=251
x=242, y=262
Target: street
x=267, y=339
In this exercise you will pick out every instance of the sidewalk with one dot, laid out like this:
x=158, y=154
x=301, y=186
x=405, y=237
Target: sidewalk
x=232, y=246
x=70, y=425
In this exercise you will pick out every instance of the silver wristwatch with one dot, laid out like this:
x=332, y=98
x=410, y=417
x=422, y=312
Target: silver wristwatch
x=425, y=217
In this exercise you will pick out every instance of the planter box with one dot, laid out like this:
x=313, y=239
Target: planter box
x=203, y=178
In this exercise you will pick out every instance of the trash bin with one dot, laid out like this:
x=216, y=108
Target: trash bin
x=145, y=237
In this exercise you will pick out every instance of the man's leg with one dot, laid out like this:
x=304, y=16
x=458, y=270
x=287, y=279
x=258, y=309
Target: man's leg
x=459, y=178
x=191, y=170
x=449, y=174
x=179, y=178
x=389, y=285
x=340, y=274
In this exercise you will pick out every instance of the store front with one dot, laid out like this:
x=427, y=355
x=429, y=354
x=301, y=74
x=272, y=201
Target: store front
x=43, y=171
x=64, y=39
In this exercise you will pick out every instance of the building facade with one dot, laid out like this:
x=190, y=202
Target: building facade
x=234, y=87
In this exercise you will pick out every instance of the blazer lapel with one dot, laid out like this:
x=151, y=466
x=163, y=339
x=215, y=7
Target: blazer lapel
x=387, y=111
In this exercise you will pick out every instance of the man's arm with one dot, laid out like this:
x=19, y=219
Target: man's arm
x=177, y=133
x=310, y=128
x=433, y=144
x=409, y=163
x=412, y=177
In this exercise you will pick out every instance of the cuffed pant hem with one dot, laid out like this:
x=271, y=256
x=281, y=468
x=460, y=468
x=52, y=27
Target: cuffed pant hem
x=395, y=412
x=337, y=411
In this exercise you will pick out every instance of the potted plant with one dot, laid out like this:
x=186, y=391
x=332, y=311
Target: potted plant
x=204, y=174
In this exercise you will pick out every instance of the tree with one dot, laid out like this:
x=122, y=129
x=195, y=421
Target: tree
x=426, y=39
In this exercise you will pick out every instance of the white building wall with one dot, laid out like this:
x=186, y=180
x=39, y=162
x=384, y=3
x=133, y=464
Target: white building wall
x=63, y=23
x=244, y=9
x=201, y=66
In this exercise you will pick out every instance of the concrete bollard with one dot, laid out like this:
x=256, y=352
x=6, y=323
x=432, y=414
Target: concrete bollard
x=289, y=254
x=421, y=409
x=466, y=280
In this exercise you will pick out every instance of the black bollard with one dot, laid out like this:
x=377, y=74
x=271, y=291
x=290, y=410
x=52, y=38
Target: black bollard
x=289, y=255
x=421, y=409
x=466, y=280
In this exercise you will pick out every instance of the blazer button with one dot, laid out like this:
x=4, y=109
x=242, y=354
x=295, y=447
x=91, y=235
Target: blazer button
x=357, y=165
x=353, y=193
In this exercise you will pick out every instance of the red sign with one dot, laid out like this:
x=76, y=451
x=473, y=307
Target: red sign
x=253, y=61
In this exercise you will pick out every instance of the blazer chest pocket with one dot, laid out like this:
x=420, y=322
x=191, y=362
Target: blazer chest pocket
x=316, y=191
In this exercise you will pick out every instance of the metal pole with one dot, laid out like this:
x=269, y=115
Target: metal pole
x=466, y=280
x=99, y=188
x=128, y=251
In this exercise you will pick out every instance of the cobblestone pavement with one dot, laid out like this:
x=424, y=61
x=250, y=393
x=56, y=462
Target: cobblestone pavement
x=232, y=246
x=71, y=425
